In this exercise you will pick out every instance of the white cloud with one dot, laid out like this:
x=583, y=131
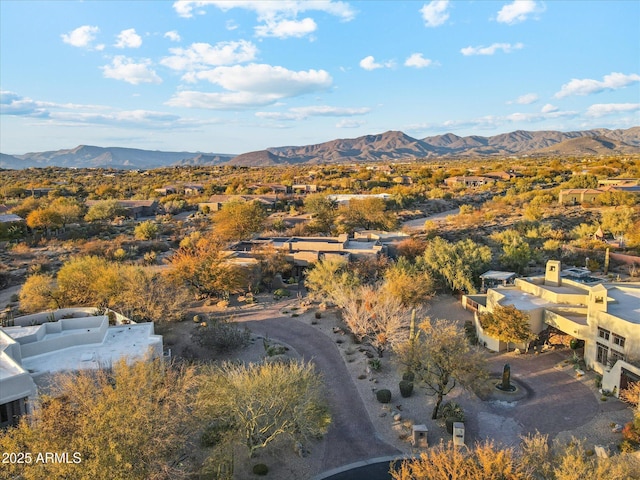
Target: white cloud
x=173, y=35
x=202, y=55
x=548, y=108
x=266, y=9
x=518, y=11
x=491, y=49
x=125, y=69
x=603, y=109
x=301, y=113
x=526, y=99
x=369, y=63
x=435, y=13
x=77, y=114
x=587, y=86
x=128, y=39
x=349, y=124
x=81, y=37
x=251, y=85
x=221, y=101
x=287, y=28
x=278, y=18
x=266, y=79
x=417, y=60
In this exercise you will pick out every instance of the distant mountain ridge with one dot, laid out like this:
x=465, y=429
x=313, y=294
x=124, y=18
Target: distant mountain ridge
x=395, y=145
x=87, y=156
x=387, y=146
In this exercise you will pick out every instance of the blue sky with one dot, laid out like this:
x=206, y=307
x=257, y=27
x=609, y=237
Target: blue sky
x=236, y=76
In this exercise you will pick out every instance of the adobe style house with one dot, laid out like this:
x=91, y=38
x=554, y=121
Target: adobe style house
x=574, y=196
x=606, y=316
x=469, y=181
x=215, y=202
x=72, y=339
x=305, y=251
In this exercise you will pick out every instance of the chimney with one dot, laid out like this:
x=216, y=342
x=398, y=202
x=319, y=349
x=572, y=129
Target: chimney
x=552, y=273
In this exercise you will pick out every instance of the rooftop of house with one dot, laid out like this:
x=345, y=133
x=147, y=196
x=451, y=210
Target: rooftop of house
x=521, y=300
x=76, y=343
x=626, y=303
x=125, y=341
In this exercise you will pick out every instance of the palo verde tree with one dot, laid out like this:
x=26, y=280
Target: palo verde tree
x=323, y=211
x=201, y=264
x=260, y=403
x=130, y=422
x=328, y=277
x=239, y=220
x=441, y=358
x=367, y=214
x=507, y=324
x=456, y=264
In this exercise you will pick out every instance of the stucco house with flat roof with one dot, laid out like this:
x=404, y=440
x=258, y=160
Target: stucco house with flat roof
x=606, y=316
x=37, y=346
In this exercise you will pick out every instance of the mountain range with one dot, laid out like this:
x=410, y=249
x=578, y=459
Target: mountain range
x=388, y=146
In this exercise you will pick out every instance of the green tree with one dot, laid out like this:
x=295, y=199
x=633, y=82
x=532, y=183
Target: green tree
x=517, y=255
x=133, y=422
x=38, y=293
x=104, y=210
x=261, y=403
x=146, y=230
x=202, y=265
x=441, y=358
x=45, y=219
x=328, y=277
x=367, y=214
x=619, y=220
x=69, y=209
x=508, y=324
x=239, y=220
x=408, y=282
x=457, y=264
x=323, y=211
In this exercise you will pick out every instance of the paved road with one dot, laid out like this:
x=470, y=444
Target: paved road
x=417, y=224
x=351, y=437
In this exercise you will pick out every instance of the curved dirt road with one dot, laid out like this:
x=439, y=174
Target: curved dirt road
x=351, y=437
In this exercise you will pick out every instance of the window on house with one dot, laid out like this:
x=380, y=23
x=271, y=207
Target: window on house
x=599, y=299
x=618, y=340
x=604, y=334
x=552, y=268
x=602, y=353
x=614, y=356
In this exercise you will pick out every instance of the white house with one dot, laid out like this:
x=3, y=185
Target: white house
x=71, y=339
x=606, y=316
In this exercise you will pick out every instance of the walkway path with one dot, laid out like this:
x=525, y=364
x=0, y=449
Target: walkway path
x=351, y=437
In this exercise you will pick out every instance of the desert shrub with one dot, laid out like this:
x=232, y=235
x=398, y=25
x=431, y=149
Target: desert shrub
x=470, y=332
x=222, y=335
x=406, y=388
x=318, y=314
x=281, y=292
x=383, y=395
x=260, y=469
x=375, y=364
x=453, y=410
